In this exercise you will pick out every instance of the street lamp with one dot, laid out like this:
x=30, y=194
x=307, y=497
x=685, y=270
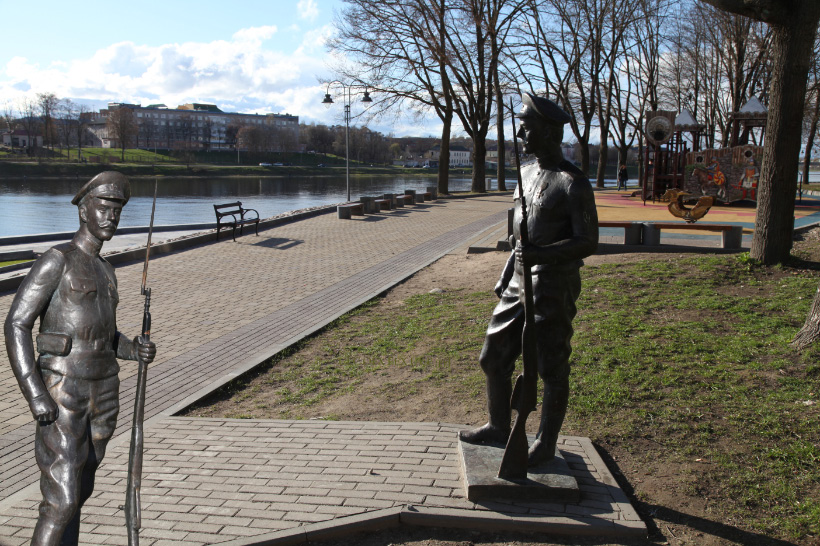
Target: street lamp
x=346, y=96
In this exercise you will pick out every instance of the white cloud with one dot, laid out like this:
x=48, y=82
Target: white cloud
x=307, y=9
x=241, y=74
x=238, y=71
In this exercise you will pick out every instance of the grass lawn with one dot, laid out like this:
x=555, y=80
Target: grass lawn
x=13, y=262
x=682, y=376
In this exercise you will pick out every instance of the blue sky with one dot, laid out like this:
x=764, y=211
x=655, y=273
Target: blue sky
x=245, y=56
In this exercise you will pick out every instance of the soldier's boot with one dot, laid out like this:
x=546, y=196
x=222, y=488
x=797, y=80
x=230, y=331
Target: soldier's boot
x=553, y=410
x=497, y=430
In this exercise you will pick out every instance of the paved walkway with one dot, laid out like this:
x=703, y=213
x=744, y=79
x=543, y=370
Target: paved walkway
x=222, y=308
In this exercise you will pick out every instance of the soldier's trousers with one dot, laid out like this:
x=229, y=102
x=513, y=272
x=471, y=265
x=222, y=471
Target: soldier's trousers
x=554, y=295
x=69, y=450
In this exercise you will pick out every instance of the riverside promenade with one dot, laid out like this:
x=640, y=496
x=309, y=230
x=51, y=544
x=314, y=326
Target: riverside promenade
x=221, y=308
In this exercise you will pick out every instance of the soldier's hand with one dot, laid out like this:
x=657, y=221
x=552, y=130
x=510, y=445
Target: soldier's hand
x=524, y=255
x=145, y=349
x=500, y=286
x=44, y=408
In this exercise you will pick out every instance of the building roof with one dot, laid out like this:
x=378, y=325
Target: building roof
x=200, y=107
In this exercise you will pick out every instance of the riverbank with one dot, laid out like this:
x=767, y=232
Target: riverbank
x=11, y=169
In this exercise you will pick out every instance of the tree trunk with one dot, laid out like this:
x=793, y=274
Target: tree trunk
x=444, y=156
x=603, y=153
x=810, y=331
x=499, y=102
x=774, y=224
x=584, y=145
x=815, y=117
x=479, y=165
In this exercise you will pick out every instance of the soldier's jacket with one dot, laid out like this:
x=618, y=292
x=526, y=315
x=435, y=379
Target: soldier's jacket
x=561, y=214
x=75, y=296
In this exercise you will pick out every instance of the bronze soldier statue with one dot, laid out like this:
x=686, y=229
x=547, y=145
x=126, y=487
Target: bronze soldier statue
x=73, y=387
x=563, y=229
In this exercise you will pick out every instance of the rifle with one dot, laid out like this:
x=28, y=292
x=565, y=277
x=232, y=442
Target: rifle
x=133, y=520
x=524, y=397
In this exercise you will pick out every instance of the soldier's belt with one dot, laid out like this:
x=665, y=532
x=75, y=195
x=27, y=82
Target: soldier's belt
x=82, y=364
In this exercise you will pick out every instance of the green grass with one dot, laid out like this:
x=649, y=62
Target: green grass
x=668, y=352
x=12, y=262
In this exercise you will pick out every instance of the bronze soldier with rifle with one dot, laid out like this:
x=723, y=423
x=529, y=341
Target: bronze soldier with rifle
x=72, y=388
x=556, y=201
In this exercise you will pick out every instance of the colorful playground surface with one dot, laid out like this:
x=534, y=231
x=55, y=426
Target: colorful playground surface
x=614, y=205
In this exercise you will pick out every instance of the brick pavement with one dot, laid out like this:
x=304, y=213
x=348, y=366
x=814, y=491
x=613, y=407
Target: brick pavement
x=243, y=482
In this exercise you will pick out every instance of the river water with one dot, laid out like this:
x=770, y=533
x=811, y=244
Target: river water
x=44, y=206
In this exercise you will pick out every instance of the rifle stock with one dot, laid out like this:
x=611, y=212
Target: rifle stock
x=525, y=393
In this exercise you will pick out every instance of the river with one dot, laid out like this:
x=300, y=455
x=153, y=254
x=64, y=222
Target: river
x=44, y=206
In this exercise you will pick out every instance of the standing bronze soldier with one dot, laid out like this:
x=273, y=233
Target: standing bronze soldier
x=73, y=387
x=563, y=229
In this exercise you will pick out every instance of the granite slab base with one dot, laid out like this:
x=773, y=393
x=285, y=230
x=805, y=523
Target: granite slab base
x=551, y=481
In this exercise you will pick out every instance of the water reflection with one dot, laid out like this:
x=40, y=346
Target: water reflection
x=41, y=206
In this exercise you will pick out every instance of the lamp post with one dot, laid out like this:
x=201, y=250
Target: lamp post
x=347, y=98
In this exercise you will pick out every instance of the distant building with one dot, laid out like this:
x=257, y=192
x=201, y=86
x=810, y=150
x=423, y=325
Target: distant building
x=197, y=126
x=20, y=138
x=459, y=156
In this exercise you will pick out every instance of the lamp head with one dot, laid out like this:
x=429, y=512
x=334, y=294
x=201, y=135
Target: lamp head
x=366, y=97
x=327, y=100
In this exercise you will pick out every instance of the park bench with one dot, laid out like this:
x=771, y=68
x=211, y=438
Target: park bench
x=731, y=236
x=405, y=199
x=346, y=210
x=632, y=230
x=383, y=204
x=237, y=215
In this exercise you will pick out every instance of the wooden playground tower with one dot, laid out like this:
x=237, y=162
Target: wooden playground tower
x=665, y=152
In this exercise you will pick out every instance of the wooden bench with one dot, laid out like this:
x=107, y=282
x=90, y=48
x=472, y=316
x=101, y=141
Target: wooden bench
x=632, y=230
x=383, y=204
x=346, y=210
x=731, y=236
x=402, y=200
x=237, y=214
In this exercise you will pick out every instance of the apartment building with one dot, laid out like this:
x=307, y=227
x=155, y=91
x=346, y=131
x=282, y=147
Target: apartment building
x=198, y=126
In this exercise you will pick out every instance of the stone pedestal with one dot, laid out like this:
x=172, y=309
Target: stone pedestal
x=551, y=482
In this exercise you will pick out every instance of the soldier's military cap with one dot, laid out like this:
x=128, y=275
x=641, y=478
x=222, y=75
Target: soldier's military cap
x=544, y=108
x=107, y=185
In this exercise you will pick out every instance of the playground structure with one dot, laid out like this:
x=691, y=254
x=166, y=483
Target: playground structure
x=727, y=174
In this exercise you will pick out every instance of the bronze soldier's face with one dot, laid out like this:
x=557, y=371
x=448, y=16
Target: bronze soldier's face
x=534, y=132
x=101, y=217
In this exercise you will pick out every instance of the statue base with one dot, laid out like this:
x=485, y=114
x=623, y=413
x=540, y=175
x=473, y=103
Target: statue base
x=551, y=481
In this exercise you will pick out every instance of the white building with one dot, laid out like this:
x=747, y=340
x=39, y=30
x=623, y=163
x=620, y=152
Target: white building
x=459, y=156
x=196, y=126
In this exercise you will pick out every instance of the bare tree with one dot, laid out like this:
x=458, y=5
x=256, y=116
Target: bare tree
x=81, y=128
x=812, y=117
x=31, y=123
x=794, y=29
x=48, y=104
x=400, y=50
x=122, y=126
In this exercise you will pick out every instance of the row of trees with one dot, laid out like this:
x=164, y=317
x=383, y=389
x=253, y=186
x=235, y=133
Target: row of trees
x=607, y=62
x=61, y=122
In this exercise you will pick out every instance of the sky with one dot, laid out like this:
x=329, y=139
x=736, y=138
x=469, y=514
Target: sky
x=248, y=56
